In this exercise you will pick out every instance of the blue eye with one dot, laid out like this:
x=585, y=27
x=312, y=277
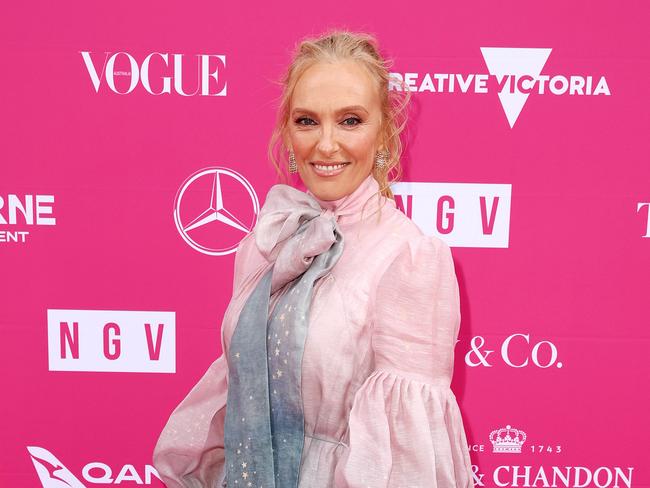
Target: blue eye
x=300, y=120
x=356, y=121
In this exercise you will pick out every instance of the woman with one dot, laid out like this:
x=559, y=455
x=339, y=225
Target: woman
x=339, y=338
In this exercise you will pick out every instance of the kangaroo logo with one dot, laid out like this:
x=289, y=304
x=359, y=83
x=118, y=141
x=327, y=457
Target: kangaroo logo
x=51, y=471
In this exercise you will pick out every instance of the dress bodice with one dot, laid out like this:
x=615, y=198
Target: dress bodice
x=377, y=363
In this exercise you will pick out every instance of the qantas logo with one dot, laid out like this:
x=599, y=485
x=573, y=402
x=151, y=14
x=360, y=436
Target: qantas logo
x=52, y=473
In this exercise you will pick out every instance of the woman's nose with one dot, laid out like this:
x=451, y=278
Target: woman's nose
x=327, y=143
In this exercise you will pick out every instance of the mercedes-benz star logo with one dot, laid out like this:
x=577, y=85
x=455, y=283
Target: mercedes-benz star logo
x=211, y=195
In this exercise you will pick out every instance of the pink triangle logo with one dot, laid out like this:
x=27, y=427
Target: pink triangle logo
x=506, y=61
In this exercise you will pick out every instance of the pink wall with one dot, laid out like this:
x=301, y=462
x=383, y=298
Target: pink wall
x=544, y=198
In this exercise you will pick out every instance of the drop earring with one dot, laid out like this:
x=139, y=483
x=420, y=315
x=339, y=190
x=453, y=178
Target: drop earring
x=293, y=167
x=381, y=160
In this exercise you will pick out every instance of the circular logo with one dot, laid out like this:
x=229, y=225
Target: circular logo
x=214, y=209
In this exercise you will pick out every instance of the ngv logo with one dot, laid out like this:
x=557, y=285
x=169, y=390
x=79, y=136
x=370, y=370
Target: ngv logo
x=158, y=73
x=462, y=214
x=513, y=73
x=111, y=341
x=53, y=474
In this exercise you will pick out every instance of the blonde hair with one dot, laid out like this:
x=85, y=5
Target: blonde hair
x=340, y=45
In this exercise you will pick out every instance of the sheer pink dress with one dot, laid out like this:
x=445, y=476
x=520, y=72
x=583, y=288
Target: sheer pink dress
x=377, y=364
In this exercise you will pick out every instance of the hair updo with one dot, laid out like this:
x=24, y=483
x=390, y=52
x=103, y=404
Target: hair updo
x=341, y=45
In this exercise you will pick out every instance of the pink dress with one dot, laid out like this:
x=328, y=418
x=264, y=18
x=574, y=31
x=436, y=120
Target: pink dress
x=376, y=370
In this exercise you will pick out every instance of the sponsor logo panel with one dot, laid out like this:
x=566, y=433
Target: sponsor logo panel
x=111, y=341
x=462, y=214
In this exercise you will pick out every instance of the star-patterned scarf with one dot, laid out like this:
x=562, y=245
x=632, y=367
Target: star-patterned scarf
x=264, y=425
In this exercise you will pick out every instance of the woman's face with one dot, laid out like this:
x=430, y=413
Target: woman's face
x=334, y=119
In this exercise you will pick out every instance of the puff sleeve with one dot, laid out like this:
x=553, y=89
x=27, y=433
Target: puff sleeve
x=405, y=427
x=190, y=449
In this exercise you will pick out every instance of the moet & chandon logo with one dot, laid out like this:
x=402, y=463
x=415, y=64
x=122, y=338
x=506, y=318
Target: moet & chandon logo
x=550, y=466
x=508, y=440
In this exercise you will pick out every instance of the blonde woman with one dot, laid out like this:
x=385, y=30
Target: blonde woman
x=339, y=338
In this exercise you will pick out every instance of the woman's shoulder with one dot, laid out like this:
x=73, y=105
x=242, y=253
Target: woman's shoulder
x=406, y=234
x=403, y=251
x=248, y=259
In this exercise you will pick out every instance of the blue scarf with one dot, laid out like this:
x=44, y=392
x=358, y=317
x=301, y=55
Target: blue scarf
x=264, y=425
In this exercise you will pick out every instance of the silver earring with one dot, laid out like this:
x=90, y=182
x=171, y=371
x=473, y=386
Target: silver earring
x=381, y=160
x=293, y=167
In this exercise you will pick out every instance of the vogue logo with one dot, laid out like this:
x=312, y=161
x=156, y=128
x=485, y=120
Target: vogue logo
x=514, y=73
x=210, y=69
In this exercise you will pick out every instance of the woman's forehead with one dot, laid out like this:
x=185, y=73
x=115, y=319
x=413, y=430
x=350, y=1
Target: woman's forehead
x=335, y=85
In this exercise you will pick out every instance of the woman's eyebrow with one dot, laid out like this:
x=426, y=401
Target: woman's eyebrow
x=350, y=108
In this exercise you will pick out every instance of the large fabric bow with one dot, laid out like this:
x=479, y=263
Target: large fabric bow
x=264, y=425
x=281, y=237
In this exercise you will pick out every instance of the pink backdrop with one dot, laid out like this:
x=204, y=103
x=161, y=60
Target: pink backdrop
x=111, y=299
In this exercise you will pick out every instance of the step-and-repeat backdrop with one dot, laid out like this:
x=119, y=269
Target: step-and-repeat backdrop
x=134, y=142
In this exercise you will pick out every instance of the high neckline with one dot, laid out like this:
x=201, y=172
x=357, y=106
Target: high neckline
x=351, y=205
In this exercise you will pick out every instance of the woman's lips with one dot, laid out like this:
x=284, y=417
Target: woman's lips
x=324, y=169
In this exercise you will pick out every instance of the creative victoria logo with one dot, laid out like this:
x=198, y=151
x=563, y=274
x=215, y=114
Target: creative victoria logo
x=214, y=209
x=514, y=73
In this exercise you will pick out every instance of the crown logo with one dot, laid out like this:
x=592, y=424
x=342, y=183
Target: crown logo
x=507, y=440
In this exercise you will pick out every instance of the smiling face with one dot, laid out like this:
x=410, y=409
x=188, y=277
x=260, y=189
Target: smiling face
x=334, y=127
